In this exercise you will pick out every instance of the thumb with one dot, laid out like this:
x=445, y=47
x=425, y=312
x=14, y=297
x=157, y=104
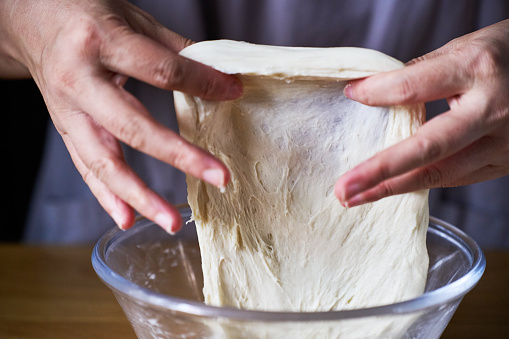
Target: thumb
x=432, y=77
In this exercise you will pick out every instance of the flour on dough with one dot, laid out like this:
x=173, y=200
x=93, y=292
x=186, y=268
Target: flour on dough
x=277, y=238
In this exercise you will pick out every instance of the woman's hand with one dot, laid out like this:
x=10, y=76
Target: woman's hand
x=80, y=53
x=467, y=144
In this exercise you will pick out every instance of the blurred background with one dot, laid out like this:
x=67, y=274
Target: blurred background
x=25, y=119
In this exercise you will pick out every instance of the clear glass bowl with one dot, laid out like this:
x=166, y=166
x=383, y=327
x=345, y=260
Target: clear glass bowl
x=157, y=280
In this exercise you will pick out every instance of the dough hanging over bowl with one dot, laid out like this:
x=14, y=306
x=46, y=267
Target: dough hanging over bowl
x=277, y=238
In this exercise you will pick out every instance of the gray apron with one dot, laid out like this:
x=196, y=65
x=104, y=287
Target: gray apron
x=64, y=211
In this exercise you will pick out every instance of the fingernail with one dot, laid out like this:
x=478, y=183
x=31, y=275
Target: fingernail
x=348, y=91
x=118, y=220
x=214, y=176
x=351, y=190
x=355, y=201
x=344, y=204
x=235, y=90
x=166, y=222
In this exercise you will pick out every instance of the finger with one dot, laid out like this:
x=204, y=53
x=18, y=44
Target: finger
x=145, y=24
x=126, y=118
x=140, y=57
x=119, y=79
x=427, y=80
x=451, y=46
x=121, y=212
x=482, y=174
x=102, y=161
x=461, y=168
x=439, y=138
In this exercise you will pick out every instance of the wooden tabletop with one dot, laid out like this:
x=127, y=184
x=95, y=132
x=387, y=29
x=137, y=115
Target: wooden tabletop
x=53, y=292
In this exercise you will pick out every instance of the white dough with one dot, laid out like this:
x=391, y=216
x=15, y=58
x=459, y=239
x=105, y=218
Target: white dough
x=278, y=238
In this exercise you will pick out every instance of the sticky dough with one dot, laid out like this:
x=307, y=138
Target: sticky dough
x=277, y=238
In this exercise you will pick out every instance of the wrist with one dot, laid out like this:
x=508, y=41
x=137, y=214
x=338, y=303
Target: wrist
x=13, y=29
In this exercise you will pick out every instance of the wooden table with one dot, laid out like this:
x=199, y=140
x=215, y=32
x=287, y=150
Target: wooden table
x=53, y=292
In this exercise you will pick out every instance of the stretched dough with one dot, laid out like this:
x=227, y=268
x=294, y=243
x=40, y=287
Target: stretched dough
x=277, y=238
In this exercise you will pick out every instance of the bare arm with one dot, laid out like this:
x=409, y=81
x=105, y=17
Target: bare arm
x=80, y=53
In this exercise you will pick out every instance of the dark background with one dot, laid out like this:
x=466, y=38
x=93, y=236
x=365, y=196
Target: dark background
x=24, y=121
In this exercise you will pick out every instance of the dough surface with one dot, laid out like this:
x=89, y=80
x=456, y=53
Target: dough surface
x=277, y=238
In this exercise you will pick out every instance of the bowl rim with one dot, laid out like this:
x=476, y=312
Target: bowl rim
x=440, y=296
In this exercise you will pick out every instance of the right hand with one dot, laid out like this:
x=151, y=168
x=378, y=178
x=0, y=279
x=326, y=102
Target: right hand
x=80, y=53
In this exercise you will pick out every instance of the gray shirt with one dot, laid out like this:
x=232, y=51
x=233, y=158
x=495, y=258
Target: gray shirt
x=64, y=211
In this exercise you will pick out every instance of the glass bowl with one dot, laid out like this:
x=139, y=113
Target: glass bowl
x=157, y=280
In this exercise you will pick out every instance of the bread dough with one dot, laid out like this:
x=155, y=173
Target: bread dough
x=277, y=238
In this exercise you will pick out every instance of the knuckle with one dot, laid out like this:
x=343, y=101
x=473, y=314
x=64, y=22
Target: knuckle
x=384, y=171
x=456, y=43
x=77, y=42
x=180, y=157
x=385, y=190
x=88, y=177
x=82, y=36
x=102, y=168
x=114, y=20
x=169, y=74
x=137, y=198
x=484, y=56
x=209, y=87
x=405, y=91
x=488, y=58
x=132, y=133
x=116, y=33
x=415, y=60
x=428, y=149
x=187, y=42
x=187, y=158
x=431, y=177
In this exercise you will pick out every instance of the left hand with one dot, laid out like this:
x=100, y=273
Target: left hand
x=467, y=144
